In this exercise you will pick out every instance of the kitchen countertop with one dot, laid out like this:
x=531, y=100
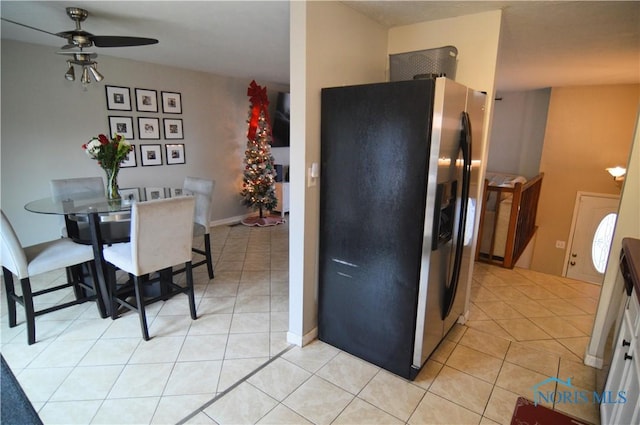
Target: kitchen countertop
x=631, y=252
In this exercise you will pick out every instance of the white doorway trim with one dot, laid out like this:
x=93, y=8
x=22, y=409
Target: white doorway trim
x=576, y=208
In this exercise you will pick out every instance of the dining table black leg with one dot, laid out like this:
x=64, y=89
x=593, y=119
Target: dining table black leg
x=104, y=301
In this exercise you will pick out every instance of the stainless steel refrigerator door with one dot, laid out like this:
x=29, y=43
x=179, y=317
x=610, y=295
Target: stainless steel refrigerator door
x=475, y=107
x=449, y=103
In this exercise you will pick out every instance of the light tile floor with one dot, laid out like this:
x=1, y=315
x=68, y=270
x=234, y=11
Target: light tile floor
x=233, y=364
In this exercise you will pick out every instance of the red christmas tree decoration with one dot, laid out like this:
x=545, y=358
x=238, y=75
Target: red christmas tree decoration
x=258, y=187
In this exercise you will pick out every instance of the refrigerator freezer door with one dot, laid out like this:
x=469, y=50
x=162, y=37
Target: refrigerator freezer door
x=374, y=165
x=436, y=265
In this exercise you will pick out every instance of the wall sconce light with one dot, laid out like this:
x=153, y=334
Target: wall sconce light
x=617, y=173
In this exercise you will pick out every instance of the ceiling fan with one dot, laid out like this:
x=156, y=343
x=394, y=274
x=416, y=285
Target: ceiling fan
x=79, y=39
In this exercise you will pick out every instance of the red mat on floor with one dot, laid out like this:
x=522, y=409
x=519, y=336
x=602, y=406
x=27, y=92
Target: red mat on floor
x=527, y=413
x=271, y=220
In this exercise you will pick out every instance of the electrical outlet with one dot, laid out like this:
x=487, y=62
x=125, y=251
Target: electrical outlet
x=560, y=244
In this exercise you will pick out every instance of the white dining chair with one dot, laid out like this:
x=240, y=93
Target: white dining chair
x=161, y=237
x=38, y=259
x=202, y=189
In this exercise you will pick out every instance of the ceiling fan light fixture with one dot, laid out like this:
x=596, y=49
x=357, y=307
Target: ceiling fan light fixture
x=85, y=76
x=70, y=75
x=94, y=72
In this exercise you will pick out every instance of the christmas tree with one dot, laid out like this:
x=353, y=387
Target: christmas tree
x=258, y=188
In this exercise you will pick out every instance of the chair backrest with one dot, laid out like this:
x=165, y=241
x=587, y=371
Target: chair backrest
x=161, y=233
x=12, y=255
x=64, y=187
x=202, y=189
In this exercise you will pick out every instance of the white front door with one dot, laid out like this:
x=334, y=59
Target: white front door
x=593, y=224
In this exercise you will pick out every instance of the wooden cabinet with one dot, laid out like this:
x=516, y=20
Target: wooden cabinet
x=282, y=193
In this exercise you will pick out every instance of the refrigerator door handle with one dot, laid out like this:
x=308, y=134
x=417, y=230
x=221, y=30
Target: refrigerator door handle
x=465, y=146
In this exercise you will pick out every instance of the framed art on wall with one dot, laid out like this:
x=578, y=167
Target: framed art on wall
x=118, y=98
x=150, y=155
x=173, y=129
x=171, y=102
x=146, y=100
x=154, y=193
x=121, y=125
x=130, y=195
x=130, y=160
x=175, y=153
x=148, y=128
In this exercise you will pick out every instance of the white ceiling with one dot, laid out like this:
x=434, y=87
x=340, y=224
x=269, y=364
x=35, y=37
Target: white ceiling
x=543, y=43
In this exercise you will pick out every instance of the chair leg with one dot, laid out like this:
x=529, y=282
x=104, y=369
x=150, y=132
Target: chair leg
x=10, y=291
x=141, y=310
x=29, y=310
x=192, y=300
x=112, y=288
x=77, y=275
x=207, y=250
x=102, y=309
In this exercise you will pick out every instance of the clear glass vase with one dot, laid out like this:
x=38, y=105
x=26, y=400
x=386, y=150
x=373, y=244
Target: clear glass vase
x=112, y=183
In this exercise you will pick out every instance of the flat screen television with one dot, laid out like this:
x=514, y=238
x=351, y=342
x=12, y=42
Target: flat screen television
x=280, y=129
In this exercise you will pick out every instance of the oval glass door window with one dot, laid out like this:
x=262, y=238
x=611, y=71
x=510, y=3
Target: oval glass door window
x=602, y=242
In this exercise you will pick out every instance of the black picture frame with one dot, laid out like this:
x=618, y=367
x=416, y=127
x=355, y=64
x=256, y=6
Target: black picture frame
x=130, y=161
x=171, y=102
x=148, y=128
x=150, y=155
x=118, y=98
x=173, y=129
x=121, y=125
x=146, y=100
x=174, y=153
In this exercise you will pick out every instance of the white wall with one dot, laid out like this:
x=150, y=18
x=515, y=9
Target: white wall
x=517, y=135
x=627, y=226
x=46, y=119
x=331, y=45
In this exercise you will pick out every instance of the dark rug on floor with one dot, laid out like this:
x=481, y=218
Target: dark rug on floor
x=527, y=413
x=15, y=407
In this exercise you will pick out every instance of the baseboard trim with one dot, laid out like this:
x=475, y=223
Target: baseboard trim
x=303, y=340
x=593, y=361
x=229, y=220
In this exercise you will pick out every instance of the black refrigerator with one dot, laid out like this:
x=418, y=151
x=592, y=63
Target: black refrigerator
x=395, y=167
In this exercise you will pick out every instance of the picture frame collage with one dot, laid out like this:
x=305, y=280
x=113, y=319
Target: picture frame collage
x=149, y=127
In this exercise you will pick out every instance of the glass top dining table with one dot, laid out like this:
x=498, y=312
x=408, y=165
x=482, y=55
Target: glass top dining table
x=97, y=203
x=101, y=216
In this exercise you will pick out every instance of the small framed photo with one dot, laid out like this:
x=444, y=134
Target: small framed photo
x=150, y=155
x=173, y=129
x=130, y=195
x=130, y=160
x=154, y=193
x=176, y=191
x=148, y=128
x=118, y=98
x=146, y=100
x=122, y=126
x=171, y=102
x=175, y=153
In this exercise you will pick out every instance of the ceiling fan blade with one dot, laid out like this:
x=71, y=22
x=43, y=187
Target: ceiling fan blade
x=118, y=41
x=32, y=28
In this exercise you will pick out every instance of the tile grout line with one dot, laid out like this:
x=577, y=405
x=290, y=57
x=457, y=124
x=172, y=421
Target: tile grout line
x=234, y=386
